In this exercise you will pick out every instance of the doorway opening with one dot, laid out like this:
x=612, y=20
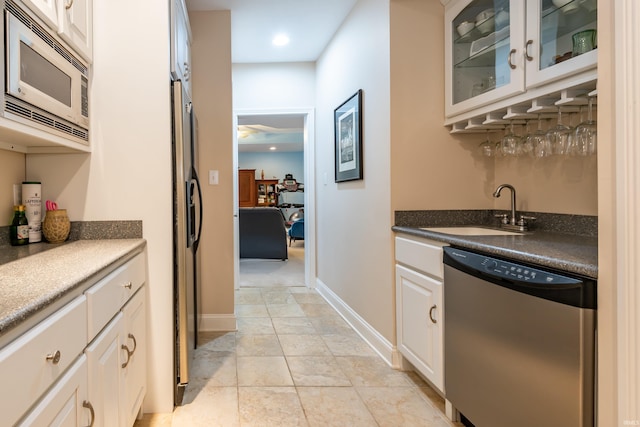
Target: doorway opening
x=276, y=146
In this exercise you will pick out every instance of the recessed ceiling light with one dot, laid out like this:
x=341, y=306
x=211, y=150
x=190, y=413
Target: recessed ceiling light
x=272, y=148
x=281, y=40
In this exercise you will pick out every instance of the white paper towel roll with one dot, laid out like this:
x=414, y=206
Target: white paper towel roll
x=32, y=199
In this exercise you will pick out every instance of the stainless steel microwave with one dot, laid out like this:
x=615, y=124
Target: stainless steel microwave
x=46, y=84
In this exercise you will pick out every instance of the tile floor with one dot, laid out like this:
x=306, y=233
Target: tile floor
x=295, y=362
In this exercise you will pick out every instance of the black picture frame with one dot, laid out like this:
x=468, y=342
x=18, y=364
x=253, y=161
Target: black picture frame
x=348, y=139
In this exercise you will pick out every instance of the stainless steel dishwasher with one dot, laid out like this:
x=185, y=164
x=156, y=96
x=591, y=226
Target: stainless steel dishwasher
x=519, y=343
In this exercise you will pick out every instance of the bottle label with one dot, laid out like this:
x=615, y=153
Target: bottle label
x=22, y=232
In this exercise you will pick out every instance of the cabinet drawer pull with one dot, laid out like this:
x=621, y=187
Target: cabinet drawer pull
x=135, y=344
x=433, y=307
x=511, y=64
x=54, y=358
x=68, y=5
x=128, y=285
x=89, y=406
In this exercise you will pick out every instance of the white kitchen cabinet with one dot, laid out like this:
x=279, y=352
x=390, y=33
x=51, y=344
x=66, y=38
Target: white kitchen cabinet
x=86, y=363
x=501, y=50
x=66, y=404
x=75, y=25
x=71, y=19
x=419, y=306
x=180, y=43
x=133, y=369
x=104, y=357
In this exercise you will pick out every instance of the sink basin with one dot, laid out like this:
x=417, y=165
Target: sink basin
x=472, y=231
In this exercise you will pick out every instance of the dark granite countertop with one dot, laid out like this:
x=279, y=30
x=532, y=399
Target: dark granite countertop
x=548, y=245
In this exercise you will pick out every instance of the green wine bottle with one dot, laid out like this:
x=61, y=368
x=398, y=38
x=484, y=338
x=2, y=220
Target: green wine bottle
x=19, y=230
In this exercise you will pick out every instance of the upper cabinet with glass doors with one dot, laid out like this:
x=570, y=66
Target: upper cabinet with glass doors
x=499, y=49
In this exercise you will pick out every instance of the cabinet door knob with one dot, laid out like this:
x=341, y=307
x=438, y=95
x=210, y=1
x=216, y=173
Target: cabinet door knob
x=89, y=406
x=135, y=344
x=526, y=50
x=431, y=310
x=511, y=64
x=128, y=285
x=54, y=358
x=68, y=5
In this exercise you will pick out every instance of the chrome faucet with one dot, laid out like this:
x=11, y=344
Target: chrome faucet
x=496, y=194
x=512, y=223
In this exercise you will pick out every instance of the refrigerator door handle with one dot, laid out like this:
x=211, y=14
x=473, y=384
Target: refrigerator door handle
x=197, y=240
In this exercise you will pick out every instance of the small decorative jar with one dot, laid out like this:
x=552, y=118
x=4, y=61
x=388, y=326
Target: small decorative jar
x=56, y=226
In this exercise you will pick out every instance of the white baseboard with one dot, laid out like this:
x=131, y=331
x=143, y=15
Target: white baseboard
x=218, y=323
x=378, y=343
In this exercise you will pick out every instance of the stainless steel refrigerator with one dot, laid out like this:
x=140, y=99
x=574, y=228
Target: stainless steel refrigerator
x=187, y=227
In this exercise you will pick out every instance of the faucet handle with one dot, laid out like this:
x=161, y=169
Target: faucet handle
x=504, y=218
x=524, y=218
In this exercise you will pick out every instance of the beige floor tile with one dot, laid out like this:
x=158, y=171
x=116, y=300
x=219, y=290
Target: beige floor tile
x=263, y=371
x=270, y=406
x=348, y=345
x=318, y=310
x=248, y=297
x=303, y=345
x=316, y=371
x=301, y=290
x=211, y=369
x=334, y=406
x=292, y=325
x=212, y=407
x=309, y=298
x=285, y=310
x=400, y=406
x=277, y=296
x=222, y=342
x=252, y=310
x=371, y=372
x=258, y=345
x=255, y=326
x=334, y=324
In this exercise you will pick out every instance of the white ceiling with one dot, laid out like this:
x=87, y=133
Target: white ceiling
x=310, y=25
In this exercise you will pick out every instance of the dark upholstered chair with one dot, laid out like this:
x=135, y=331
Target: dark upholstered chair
x=262, y=233
x=296, y=232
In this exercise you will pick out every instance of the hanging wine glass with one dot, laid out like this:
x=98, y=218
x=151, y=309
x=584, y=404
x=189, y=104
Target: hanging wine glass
x=487, y=147
x=559, y=136
x=511, y=143
x=585, y=137
x=539, y=143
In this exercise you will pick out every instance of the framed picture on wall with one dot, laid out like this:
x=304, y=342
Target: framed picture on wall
x=348, y=142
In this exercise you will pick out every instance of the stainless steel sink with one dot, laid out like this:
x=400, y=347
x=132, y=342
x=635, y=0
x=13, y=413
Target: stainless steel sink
x=471, y=231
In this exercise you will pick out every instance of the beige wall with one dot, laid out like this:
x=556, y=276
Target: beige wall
x=12, y=171
x=430, y=168
x=212, y=97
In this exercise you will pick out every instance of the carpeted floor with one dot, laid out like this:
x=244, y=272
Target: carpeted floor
x=266, y=273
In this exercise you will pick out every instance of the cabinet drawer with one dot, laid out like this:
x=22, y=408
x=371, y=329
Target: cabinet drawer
x=421, y=254
x=24, y=368
x=109, y=295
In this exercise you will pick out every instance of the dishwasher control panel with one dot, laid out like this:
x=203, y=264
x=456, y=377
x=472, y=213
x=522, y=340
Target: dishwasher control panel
x=508, y=270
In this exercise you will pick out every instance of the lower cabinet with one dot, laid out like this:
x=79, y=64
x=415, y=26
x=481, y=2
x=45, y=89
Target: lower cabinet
x=419, y=307
x=66, y=404
x=74, y=377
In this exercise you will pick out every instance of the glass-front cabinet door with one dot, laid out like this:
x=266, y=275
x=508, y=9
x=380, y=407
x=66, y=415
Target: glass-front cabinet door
x=561, y=39
x=484, y=45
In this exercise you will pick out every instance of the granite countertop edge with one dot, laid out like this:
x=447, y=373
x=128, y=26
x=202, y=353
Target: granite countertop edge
x=33, y=287
x=570, y=253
